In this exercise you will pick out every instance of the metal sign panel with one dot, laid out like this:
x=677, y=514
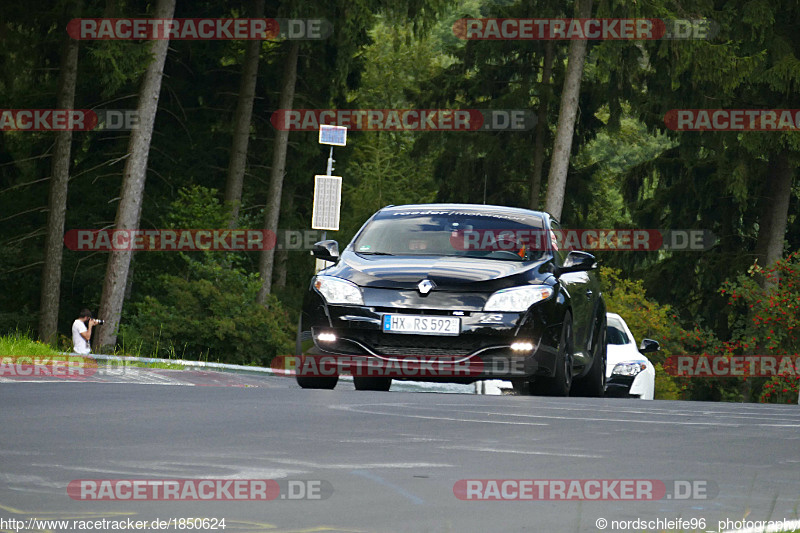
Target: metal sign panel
x=335, y=135
x=327, y=200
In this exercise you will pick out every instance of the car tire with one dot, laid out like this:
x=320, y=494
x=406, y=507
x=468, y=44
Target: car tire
x=561, y=382
x=307, y=382
x=372, y=383
x=593, y=384
x=521, y=386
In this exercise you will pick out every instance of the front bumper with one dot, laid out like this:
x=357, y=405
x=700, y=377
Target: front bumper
x=482, y=350
x=620, y=387
x=639, y=386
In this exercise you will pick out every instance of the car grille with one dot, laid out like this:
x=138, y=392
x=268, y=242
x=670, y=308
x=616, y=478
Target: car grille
x=621, y=381
x=402, y=344
x=420, y=311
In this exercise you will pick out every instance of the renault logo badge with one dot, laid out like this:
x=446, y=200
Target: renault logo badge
x=425, y=286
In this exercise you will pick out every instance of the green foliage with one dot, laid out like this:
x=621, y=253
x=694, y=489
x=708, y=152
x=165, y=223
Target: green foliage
x=197, y=207
x=597, y=200
x=768, y=301
x=766, y=322
x=204, y=306
x=783, y=388
x=210, y=314
x=646, y=319
x=120, y=62
x=381, y=167
x=666, y=386
x=710, y=180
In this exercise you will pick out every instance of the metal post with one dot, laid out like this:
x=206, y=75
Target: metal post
x=333, y=136
x=329, y=173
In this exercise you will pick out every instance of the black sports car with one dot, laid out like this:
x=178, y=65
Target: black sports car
x=457, y=293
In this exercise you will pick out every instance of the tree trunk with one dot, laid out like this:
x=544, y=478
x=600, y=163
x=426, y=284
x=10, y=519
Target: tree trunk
x=568, y=110
x=774, y=209
x=541, y=125
x=281, y=265
x=281, y=143
x=241, y=125
x=133, y=178
x=282, y=261
x=57, y=201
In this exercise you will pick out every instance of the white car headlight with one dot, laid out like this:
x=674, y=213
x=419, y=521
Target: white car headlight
x=338, y=291
x=517, y=299
x=629, y=368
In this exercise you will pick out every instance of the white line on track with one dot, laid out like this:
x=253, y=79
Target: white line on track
x=523, y=452
x=375, y=409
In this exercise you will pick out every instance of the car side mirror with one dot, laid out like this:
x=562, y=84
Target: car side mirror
x=649, y=346
x=326, y=250
x=577, y=261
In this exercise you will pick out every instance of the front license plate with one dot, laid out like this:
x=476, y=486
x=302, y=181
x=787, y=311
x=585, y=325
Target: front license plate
x=424, y=325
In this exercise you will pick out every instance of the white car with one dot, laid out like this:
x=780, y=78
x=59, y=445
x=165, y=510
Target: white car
x=629, y=374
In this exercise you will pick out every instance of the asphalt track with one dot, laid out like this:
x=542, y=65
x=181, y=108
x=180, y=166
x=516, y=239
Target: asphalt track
x=388, y=461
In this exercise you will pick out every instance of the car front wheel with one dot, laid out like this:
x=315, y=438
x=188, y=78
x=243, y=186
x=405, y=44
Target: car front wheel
x=372, y=383
x=308, y=382
x=561, y=382
x=594, y=383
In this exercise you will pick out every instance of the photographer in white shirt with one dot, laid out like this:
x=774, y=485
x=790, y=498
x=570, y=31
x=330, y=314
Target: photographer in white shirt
x=82, y=332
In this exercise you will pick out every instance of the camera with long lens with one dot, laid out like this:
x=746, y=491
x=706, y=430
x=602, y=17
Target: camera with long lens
x=99, y=321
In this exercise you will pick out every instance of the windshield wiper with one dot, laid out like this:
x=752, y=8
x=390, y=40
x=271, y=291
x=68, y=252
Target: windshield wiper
x=374, y=253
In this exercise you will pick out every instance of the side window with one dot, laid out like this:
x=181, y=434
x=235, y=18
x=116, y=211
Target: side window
x=616, y=335
x=558, y=253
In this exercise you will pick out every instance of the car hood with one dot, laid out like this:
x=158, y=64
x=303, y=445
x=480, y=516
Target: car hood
x=619, y=353
x=448, y=273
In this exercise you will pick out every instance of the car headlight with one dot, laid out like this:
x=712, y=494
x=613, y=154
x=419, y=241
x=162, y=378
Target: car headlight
x=338, y=291
x=517, y=299
x=629, y=368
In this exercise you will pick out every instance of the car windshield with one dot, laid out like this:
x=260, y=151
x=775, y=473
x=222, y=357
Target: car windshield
x=616, y=334
x=500, y=236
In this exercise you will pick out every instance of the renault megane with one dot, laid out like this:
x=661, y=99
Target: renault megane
x=456, y=293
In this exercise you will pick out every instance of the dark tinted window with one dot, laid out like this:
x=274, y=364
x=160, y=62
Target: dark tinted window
x=616, y=335
x=454, y=233
x=560, y=255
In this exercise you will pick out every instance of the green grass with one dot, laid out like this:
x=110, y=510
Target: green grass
x=19, y=343
x=139, y=364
